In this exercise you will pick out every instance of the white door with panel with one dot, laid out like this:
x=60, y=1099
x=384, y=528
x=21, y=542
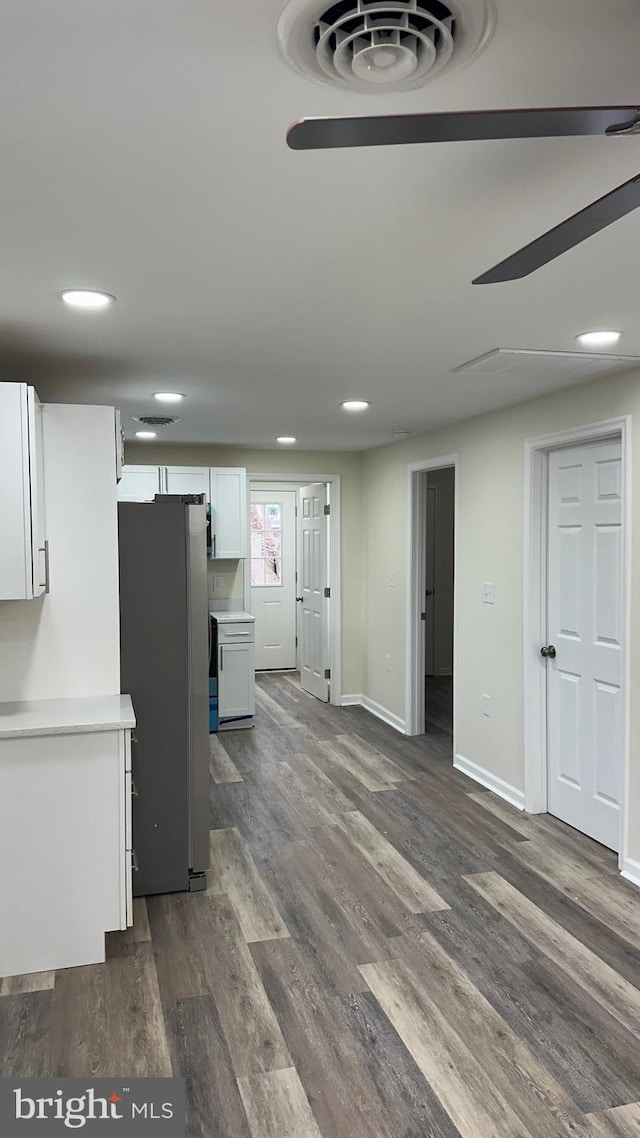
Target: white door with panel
x=430, y=581
x=584, y=639
x=187, y=480
x=140, y=483
x=313, y=580
x=229, y=512
x=273, y=577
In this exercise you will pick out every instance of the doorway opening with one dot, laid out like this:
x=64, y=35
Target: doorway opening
x=431, y=597
x=292, y=578
x=576, y=601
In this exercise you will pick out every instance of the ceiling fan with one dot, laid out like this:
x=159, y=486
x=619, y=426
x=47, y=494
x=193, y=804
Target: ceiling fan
x=462, y=126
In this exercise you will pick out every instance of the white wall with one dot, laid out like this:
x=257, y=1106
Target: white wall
x=68, y=642
x=349, y=466
x=490, y=548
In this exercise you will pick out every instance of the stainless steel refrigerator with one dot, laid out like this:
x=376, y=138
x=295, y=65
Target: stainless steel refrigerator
x=164, y=658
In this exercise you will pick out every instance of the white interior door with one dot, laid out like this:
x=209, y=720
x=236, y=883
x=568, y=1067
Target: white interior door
x=585, y=621
x=313, y=578
x=273, y=584
x=430, y=582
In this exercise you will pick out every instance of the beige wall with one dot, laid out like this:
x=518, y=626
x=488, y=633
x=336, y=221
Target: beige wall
x=490, y=537
x=349, y=466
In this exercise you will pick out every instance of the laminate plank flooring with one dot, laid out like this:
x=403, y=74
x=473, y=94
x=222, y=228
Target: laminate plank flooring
x=384, y=950
x=233, y=872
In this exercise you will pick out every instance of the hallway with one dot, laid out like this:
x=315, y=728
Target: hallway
x=385, y=950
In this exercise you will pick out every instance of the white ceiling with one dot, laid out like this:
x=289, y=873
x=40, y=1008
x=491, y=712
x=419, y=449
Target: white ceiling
x=143, y=152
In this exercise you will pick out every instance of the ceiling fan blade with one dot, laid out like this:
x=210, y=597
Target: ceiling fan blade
x=460, y=126
x=565, y=236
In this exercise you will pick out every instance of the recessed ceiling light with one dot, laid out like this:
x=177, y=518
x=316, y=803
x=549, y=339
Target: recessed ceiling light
x=286, y=439
x=601, y=338
x=168, y=396
x=355, y=405
x=87, y=298
x=146, y=435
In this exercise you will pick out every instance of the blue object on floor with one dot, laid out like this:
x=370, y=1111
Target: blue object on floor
x=213, y=714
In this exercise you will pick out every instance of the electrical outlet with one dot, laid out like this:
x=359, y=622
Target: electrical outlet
x=486, y=706
x=218, y=583
x=387, y=662
x=489, y=593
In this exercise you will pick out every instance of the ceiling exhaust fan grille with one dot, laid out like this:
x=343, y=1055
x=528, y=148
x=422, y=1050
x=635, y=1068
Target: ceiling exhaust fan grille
x=155, y=420
x=381, y=45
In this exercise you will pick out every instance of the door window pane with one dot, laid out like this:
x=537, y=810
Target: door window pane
x=266, y=544
x=257, y=571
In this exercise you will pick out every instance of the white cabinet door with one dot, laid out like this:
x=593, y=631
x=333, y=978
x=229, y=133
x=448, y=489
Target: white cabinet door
x=229, y=520
x=22, y=549
x=585, y=626
x=140, y=483
x=187, y=480
x=236, y=680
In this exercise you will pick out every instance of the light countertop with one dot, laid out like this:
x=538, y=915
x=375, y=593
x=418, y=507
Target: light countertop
x=231, y=617
x=86, y=714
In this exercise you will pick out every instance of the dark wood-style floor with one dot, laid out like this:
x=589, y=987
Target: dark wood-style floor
x=384, y=951
x=438, y=702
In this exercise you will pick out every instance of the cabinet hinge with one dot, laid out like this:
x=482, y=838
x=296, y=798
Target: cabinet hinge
x=327, y=509
x=327, y=673
x=327, y=592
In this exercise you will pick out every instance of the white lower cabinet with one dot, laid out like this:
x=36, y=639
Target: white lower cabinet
x=236, y=667
x=65, y=847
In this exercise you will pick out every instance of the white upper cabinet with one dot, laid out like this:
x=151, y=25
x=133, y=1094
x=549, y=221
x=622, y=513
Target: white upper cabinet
x=229, y=521
x=23, y=547
x=225, y=488
x=187, y=480
x=140, y=483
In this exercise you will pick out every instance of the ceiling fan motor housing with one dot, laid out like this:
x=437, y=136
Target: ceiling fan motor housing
x=376, y=46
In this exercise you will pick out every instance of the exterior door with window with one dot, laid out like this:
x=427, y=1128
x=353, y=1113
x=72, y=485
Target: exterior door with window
x=273, y=585
x=313, y=579
x=584, y=639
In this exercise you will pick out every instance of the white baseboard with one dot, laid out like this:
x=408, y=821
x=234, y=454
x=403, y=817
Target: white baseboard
x=503, y=789
x=376, y=709
x=631, y=870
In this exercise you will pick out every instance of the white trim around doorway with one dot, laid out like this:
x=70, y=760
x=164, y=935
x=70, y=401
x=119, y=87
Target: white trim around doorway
x=537, y=451
x=416, y=556
x=334, y=482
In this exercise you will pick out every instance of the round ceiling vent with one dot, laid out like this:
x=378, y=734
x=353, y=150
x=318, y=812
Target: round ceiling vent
x=382, y=45
x=154, y=420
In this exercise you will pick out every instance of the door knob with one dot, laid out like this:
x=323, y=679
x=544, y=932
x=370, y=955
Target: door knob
x=549, y=653
x=299, y=598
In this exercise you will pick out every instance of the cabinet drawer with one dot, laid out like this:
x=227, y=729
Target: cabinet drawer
x=241, y=632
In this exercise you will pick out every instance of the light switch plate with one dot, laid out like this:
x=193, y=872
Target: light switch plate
x=489, y=593
x=486, y=706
